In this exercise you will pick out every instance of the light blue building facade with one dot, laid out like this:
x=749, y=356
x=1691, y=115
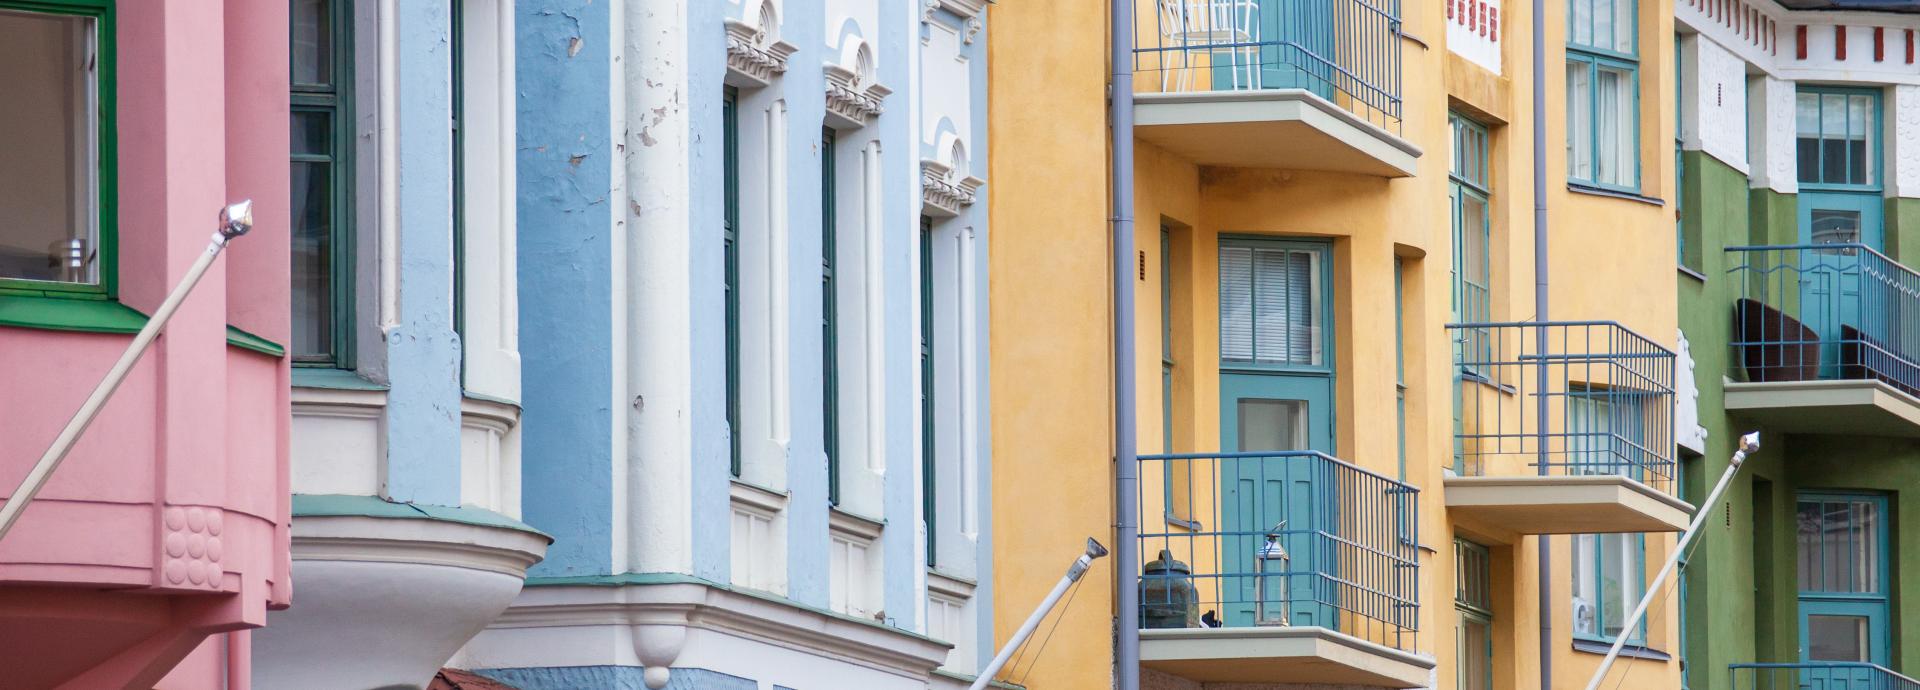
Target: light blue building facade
x=752, y=334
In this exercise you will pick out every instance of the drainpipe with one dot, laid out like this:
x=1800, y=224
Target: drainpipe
x=1541, y=270
x=1126, y=656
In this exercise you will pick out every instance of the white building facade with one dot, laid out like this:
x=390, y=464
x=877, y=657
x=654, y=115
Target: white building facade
x=753, y=317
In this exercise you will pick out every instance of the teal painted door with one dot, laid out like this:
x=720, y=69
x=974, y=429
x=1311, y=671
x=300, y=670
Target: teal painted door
x=1842, y=568
x=1276, y=389
x=1830, y=279
x=1274, y=44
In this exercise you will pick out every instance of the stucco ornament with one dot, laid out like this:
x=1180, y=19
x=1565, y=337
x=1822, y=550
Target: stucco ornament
x=945, y=191
x=853, y=97
x=1686, y=405
x=755, y=53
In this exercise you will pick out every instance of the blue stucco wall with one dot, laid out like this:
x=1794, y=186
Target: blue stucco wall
x=565, y=161
x=423, y=352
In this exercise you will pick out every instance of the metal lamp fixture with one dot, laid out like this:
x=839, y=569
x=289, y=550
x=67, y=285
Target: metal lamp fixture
x=1268, y=560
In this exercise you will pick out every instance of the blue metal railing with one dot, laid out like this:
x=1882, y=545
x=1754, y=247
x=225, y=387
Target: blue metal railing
x=1608, y=395
x=1294, y=538
x=1347, y=51
x=1825, y=311
x=1818, y=675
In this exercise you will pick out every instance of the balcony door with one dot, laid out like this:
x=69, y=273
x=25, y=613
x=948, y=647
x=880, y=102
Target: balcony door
x=1840, y=202
x=1842, y=540
x=1276, y=387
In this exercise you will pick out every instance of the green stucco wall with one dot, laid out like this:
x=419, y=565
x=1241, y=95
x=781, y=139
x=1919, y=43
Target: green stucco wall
x=1742, y=601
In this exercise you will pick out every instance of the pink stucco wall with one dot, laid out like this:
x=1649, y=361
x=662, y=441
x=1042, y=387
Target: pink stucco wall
x=168, y=522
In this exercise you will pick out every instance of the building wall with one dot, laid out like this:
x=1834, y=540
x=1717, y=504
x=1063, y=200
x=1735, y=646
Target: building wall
x=1051, y=342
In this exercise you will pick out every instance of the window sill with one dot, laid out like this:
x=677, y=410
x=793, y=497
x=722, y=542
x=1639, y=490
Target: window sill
x=334, y=379
x=1578, y=188
x=102, y=316
x=1632, y=651
x=1690, y=273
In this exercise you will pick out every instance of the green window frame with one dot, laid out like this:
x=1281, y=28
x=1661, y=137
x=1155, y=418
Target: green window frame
x=323, y=141
x=1467, y=181
x=1840, y=123
x=79, y=305
x=730, y=242
x=457, y=76
x=1400, y=364
x=929, y=450
x=829, y=319
x=1603, y=144
x=1473, y=605
x=1178, y=479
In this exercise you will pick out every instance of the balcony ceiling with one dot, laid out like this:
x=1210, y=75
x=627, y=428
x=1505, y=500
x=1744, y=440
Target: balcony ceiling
x=1293, y=655
x=1271, y=128
x=1504, y=508
x=1861, y=407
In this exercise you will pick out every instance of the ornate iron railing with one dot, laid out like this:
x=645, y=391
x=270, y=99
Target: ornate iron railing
x=1825, y=311
x=1818, y=675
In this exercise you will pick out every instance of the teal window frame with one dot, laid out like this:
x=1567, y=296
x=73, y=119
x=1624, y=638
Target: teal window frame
x=1875, y=604
x=929, y=448
x=1680, y=166
x=1596, y=55
x=1400, y=365
x=1473, y=604
x=457, y=75
x=1467, y=182
x=1598, y=561
x=829, y=318
x=64, y=306
x=730, y=273
x=1323, y=272
x=1876, y=171
x=336, y=100
x=1177, y=482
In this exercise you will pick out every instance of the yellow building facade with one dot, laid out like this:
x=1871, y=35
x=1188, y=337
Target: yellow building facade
x=1318, y=199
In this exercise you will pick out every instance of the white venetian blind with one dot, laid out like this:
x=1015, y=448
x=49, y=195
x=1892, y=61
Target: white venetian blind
x=1269, y=305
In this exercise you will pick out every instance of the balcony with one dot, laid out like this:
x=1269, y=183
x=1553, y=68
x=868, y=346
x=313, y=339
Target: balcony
x=1819, y=675
x=1278, y=567
x=1825, y=340
x=1305, y=85
x=1561, y=428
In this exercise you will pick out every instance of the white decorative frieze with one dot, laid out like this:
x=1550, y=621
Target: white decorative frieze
x=945, y=192
x=1686, y=404
x=755, y=53
x=1473, y=31
x=853, y=98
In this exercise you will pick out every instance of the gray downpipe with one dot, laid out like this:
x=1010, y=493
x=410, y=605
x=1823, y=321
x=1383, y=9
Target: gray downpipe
x=1541, y=270
x=1126, y=653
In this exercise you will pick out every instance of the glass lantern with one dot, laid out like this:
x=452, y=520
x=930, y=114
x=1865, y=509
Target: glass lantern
x=1271, y=570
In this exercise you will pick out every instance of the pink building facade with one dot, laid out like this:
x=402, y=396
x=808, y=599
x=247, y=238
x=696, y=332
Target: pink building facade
x=163, y=539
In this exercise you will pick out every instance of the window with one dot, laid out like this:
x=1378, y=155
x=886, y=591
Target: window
x=1468, y=184
x=56, y=178
x=1842, y=547
x=322, y=159
x=1179, y=473
x=1608, y=579
x=1836, y=133
x=929, y=449
x=1473, y=603
x=1270, y=306
x=730, y=229
x=829, y=313
x=456, y=42
x=1400, y=363
x=1602, y=94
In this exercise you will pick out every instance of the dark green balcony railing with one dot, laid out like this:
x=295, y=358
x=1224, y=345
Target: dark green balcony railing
x=1825, y=311
x=1346, y=51
x=1283, y=538
x=1819, y=675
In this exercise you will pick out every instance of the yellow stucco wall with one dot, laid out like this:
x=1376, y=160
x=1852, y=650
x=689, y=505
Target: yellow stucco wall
x=1611, y=258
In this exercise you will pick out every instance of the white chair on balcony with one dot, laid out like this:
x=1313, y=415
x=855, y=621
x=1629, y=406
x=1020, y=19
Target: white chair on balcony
x=1203, y=26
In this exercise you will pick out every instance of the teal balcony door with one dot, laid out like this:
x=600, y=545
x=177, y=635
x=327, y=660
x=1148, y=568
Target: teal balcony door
x=1271, y=44
x=1839, y=170
x=1276, y=387
x=1842, y=566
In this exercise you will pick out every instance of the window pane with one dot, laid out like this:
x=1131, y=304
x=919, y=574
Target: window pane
x=1602, y=25
x=1615, y=159
x=1837, y=638
x=1580, y=26
x=1619, y=580
x=1835, y=227
x=1236, y=304
x=47, y=149
x=1586, y=589
x=1272, y=424
x=1623, y=25
x=312, y=41
x=312, y=261
x=1860, y=139
x=1579, y=122
x=1473, y=219
x=1866, y=567
x=1476, y=651
x=1808, y=535
x=312, y=133
x=1806, y=118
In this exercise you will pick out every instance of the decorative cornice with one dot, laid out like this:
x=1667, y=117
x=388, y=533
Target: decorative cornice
x=965, y=9
x=753, y=57
x=662, y=613
x=943, y=194
x=850, y=105
x=974, y=26
x=370, y=539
